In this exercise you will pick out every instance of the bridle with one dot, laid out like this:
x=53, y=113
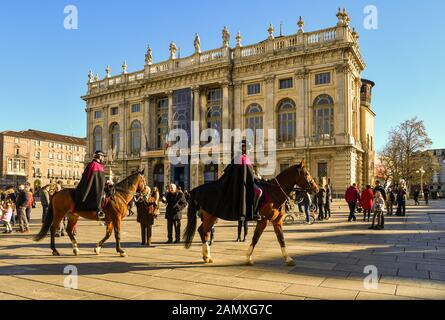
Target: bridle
x=308, y=182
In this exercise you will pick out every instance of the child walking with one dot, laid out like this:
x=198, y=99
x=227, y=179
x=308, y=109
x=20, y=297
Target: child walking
x=7, y=211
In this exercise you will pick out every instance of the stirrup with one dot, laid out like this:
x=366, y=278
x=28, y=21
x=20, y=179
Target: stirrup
x=100, y=215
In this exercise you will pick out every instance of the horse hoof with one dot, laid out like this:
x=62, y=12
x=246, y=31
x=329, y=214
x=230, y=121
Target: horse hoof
x=206, y=260
x=291, y=263
x=210, y=260
x=250, y=262
x=123, y=254
x=97, y=250
x=76, y=252
x=56, y=254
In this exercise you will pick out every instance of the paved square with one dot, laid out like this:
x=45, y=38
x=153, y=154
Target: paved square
x=330, y=260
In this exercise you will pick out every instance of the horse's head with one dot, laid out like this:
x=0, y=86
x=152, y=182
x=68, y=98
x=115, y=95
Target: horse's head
x=141, y=182
x=304, y=178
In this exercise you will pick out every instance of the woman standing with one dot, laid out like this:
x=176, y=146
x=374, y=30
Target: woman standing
x=366, y=200
x=147, y=208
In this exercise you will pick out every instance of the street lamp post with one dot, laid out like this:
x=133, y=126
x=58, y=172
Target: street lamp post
x=421, y=171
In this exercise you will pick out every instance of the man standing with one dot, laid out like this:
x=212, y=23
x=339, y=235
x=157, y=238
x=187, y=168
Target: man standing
x=379, y=188
x=44, y=200
x=22, y=203
x=90, y=191
x=176, y=202
x=352, y=196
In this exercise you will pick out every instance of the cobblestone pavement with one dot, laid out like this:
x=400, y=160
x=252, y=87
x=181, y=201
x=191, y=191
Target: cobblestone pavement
x=330, y=260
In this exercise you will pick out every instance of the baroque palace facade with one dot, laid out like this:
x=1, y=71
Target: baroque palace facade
x=307, y=86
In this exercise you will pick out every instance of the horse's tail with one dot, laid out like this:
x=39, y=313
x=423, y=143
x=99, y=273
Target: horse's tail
x=190, y=230
x=47, y=224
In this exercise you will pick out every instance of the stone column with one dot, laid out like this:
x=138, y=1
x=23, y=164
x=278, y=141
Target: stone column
x=167, y=166
x=105, y=129
x=146, y=126
x=90, y=138
x=342, y=120
x=203, y=109
x=225, y=106
x=153, y=122
x=302, y=108
x=195, y=131
x=238, y=106
x=269, y=108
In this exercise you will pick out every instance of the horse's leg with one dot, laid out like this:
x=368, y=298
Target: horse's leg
x=57, y=219
x=117, y=235
x=204, y=232
x=278, y=227
x=109, y=228
x=69, y=229
x=260, y=227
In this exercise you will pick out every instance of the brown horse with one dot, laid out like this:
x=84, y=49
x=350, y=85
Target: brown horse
x=62, y=204
x=278, y=189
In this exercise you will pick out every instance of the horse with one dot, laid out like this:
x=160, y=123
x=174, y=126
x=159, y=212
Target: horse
x=62, y=204
x=278, y=189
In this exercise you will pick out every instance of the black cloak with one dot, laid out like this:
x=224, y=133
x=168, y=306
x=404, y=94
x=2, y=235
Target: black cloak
x=90, y=191
x=231, y=197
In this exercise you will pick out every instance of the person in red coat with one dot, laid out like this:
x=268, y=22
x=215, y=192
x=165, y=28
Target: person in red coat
x=366, y=199
x=352, y=196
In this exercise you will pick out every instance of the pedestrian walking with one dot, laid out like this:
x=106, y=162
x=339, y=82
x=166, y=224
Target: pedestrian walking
x=352, y=196
x=426, y=196
x=390, y=200
x=11, y=194
x=176, y=202
x=367, y=199
x=22, y=203
x=321, y=200
x=31, y=204
x=327, y=205
x=416, y=197
x=378, y=208
x=6, y=214
x=401, y=202
x=44, y=200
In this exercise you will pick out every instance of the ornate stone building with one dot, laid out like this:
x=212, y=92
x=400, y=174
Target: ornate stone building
x=308, y=86
x=40, y=158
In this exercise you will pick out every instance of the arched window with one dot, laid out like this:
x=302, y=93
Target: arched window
x=97, y=139
x=214, y=116
x=115, y=137
x=135, y=137
x=286, y=121
x=323, y=116
x=254, y=118
x=158, y=177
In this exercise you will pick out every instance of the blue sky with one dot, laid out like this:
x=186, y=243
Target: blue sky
x=44, y=67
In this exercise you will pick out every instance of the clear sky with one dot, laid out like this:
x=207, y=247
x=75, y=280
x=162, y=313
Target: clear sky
x=44, y=66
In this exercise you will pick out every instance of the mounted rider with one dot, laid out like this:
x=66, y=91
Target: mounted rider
x=90, y=191
x=236, y=195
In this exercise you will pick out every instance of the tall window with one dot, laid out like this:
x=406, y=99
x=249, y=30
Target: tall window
x=214, y=115
x=214, y=111
x=97, y=138
x=253, y=89
x=115, y=137
x=114, y=111
x=97, y=114
x=286, y=83
x=135, y=137
x=323, y=116
x=286, y=121
x=323, y=78
x=162, y=123
x=254, y=118
x=136, y=108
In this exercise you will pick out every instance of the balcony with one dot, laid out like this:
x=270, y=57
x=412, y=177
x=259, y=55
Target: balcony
x=322, y=140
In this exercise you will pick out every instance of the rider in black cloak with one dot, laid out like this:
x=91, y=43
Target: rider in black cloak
x=90, y=191
x=235, y=196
